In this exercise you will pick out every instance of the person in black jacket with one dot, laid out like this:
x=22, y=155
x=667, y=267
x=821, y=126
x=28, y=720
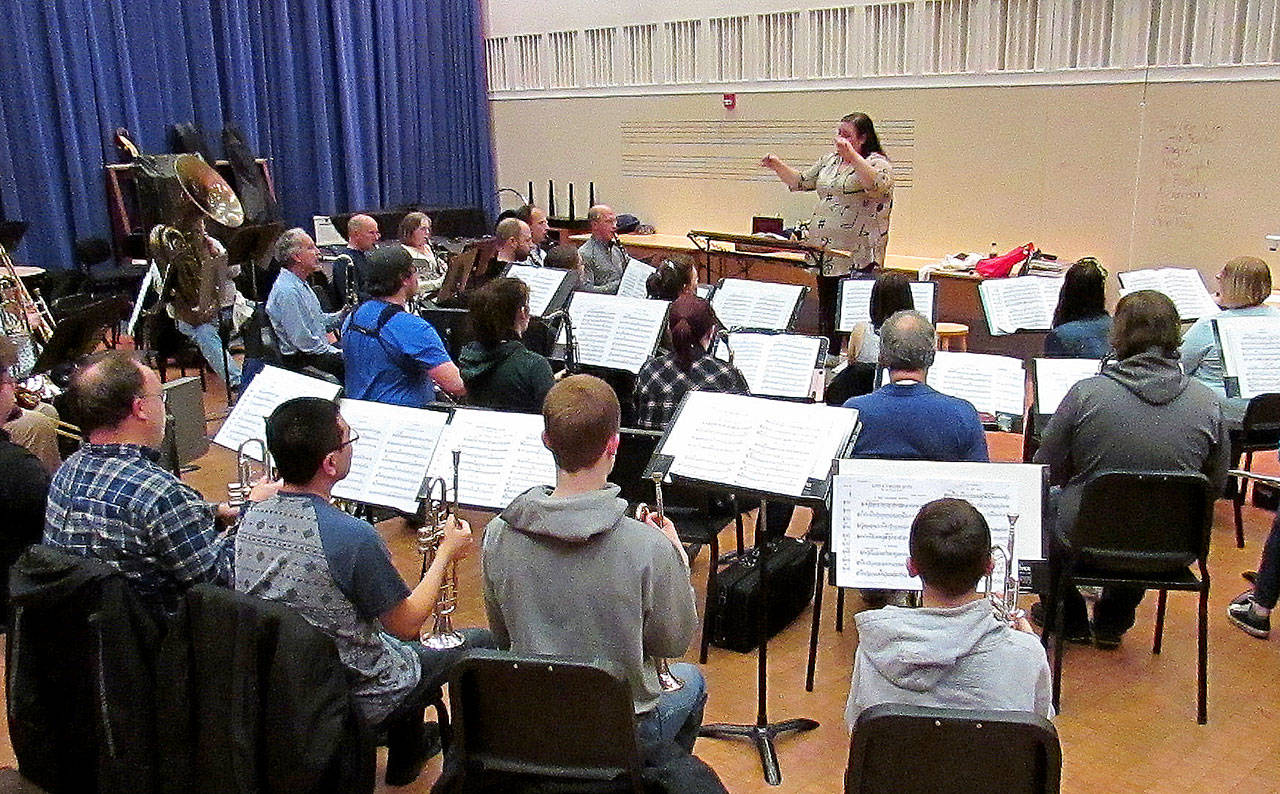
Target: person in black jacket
x=499, y=371
x=23, y=489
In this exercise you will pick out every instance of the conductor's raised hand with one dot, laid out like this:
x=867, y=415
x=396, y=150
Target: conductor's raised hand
x=771, y=160
x=846, y=149
x=457, y=543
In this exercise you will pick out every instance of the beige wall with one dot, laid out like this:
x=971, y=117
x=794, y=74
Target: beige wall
x=1165, y=174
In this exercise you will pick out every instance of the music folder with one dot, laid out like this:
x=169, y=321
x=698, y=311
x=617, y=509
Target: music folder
x=775, y=363
x=1183, y=285
x=635, y=279
x=1250, y=354
x=1024, y=303
x=741, y=303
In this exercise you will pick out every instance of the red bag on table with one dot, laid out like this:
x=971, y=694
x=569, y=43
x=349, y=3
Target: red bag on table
x=1000, y=266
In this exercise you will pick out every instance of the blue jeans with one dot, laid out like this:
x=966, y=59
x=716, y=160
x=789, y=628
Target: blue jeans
x=678, y=714
x=209, y=341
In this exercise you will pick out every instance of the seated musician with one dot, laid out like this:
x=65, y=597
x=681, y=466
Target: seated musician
x=499, y=371
x=1081, y=324
x=394, y=356
x=362, y=235
x=671, y=279
x=536, y=218
x=514, y=243
x=890, y=294
x=664, y=380
x=36, y=430
x=603, y=257
x=905, y=418
x=952, y=652
x=204, y=322
x=23, y=488
x=415, y=236
x=567, y=572
x=336, y=571
x=300, y=327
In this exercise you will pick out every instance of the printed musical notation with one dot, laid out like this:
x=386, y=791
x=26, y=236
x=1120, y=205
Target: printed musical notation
x=1183, y=285
x=1025, y=303
x=502, y=456
x=269, y=388
x=756, y=304
x=635, y=279
x=993, y=384
x=615, y=332
x=544, y=283
x=855, y=301
x=1054, y=377
x=389, y=458
x=775, y=365
x=1250, y=354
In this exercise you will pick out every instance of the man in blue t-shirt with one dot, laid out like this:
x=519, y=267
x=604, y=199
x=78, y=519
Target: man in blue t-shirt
x=393, y=356
x=335, y=570
x=906, y=419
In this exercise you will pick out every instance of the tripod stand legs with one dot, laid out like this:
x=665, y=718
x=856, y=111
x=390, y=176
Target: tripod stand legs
x=763, y=736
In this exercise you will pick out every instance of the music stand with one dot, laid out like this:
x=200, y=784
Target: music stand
x=78, y=333
x=762, y=732
x=251, y=244
x=758, y=248
x=11, y=233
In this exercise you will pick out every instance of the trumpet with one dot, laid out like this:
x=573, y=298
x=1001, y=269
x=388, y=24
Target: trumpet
x=249, y=472
x=437, y=510
x=1005, y=603
x=666, y=679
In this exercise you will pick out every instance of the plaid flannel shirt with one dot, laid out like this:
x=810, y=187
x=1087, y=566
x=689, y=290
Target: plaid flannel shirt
x=112, y=502
x=661, y=385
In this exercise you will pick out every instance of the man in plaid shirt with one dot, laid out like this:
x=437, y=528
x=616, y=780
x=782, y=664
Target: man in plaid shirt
x=111, y=501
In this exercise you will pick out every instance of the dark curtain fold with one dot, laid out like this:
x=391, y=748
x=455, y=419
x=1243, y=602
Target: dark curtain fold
x=360, y=104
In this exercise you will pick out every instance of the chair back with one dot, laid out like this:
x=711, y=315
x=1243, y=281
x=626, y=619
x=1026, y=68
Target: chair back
x=899, y=749
x=855, y=380
x=454, y=327
x=1144, y=521
x=544, y=717
x=1261, y=425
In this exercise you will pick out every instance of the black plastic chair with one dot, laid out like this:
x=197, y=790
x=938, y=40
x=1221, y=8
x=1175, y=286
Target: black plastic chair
x=855, y=380
x=698, y=516
x=1259, y=432
x=1138, y=529
x=898, y=749
x=512, y=722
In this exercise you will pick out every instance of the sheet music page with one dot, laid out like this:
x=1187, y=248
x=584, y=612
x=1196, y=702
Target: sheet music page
x=704, y=291
x=269, y=388
x=502, y=456
x=1054, y=377
x=1022, y=303
x=775, y=365
x=855, y=301
x=756, y=443
x=543, y=283
x=151, y=279
x=994, y=384
x=325, y=232
x=615, y=332
x=1251, y=353
x=390, y=457
x=1184, y=286
x=634, y=278
x=740, y=303
x=874, y=503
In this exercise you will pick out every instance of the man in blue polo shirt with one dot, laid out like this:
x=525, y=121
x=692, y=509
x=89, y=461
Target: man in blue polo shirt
x=906, y=419
x=393, y=356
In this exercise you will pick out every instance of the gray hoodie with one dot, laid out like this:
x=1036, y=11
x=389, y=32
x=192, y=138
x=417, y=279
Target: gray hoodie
x=1141, y=413
x=954, y=657
x=576, y=577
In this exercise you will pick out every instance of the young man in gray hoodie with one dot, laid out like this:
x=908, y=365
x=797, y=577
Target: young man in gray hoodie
x=952, y=652
x=568, y=573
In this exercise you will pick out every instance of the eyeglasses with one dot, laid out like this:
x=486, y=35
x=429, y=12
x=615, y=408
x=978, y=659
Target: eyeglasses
x=353, y=439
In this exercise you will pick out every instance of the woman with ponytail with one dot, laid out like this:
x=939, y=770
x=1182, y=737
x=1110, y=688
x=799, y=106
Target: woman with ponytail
x=665, y=379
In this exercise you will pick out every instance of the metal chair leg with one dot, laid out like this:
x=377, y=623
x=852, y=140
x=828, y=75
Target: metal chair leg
x=708, y=608
x=1155, y=646
x=820, y=580
x=1059, y=640
x=1202, y=662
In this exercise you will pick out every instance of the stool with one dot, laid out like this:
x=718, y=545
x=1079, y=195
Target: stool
x=953, y=334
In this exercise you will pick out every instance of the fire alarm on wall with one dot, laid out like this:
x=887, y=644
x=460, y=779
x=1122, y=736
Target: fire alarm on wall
x=730, y=101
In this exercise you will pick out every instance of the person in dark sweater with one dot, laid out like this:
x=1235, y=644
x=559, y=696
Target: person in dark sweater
x=23, y=489
x=499, y=371
x=906, y=419
x=1080, y=321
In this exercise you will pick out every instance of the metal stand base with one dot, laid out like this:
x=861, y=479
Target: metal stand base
x=763, y=736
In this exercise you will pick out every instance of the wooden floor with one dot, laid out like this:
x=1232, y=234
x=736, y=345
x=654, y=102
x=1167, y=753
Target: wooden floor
x=1128, y=721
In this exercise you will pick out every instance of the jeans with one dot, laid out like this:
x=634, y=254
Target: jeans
x=1267, y=588
x=678, y=714
x=209, y=341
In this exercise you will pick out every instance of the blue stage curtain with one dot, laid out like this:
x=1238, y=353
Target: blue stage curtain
x=360, y=104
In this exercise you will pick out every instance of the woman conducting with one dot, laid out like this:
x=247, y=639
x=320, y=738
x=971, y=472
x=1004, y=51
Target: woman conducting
x=855, y=194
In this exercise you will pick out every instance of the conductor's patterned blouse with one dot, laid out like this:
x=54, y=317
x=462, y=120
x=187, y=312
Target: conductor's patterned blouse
x=848, y=216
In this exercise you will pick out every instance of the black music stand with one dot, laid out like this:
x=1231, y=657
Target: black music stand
x=762, y=732
x=760, y=248
x=250, y=244
x=78, y=333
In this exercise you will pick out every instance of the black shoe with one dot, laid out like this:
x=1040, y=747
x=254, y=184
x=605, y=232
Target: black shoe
x=1250, y=576
x=401, y=771
x=1240, y=612
x=1077, y=634
x=1105, y=639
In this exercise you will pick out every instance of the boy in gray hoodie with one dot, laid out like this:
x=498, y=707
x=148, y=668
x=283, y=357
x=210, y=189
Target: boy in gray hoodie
x=951, y=652
x=568, y=573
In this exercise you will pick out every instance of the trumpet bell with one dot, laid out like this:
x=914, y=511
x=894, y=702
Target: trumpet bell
x=208, y=190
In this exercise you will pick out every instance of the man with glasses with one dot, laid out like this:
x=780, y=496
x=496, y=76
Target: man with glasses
x=112, y=501
x=336, y=571
x=22, y=488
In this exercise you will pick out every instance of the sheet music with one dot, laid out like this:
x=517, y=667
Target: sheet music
x=756, y=443
x=634, y=279
x=390, y=456
x=152, y=278
x=614, y=331
x=705, y=290
x=1183, y=285
x=855, y=301
x=1054, y=377
x=326, y=232
x=775, y=365
x=265, y=392
x=502, y=456
x=1250, y=354
x=874, y=503
x=994, y=384
x=1022, y=303
x=543, y=285
x=756, y=304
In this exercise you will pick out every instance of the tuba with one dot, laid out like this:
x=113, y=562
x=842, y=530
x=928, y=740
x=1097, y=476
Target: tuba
x=666, y=679
x=437, y=510
x=190, y=271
